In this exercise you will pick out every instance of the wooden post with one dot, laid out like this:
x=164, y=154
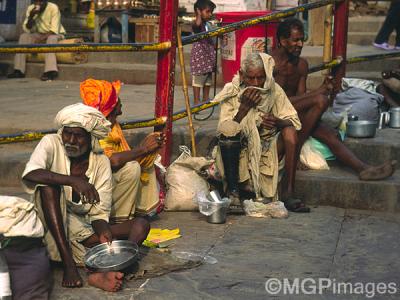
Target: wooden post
x=185, y=91
x=327, y=56
x=164, y=102
x=125, y=26
x=339, y=48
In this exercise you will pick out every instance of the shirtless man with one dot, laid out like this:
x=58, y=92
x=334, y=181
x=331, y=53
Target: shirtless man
x=71, y=184
x=291, y=74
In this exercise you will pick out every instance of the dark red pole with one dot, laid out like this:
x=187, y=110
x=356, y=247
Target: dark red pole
x=166, y=71
x=339, y=47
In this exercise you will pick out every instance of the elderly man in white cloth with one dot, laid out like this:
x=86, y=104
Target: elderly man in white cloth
x=257, y=133
x=71, y=183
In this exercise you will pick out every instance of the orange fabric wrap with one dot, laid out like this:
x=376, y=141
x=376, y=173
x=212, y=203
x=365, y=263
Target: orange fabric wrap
x=100, y=94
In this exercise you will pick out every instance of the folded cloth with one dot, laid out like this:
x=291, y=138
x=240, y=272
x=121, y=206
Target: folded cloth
x=18, y=218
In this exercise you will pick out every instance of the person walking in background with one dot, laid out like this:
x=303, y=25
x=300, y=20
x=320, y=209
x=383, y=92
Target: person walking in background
x=392, y=22
x=42, y=24
x=202, y=57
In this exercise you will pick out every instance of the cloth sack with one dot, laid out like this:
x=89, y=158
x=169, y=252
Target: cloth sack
x=184, y=182
x=363, y=104
x=18, y=218
x=312, y=158
x=63, y=57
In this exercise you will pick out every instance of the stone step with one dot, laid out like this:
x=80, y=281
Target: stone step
x=366, y=23
x=126, y=72
x=366, y=38
x=336, y=187
x=342, y=188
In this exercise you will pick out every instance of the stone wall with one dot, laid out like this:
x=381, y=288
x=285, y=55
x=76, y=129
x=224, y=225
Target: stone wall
x=12, y=31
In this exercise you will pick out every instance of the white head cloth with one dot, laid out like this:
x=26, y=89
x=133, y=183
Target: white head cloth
x=86, y=117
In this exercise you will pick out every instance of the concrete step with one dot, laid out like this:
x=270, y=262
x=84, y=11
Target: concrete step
x=366, y=38
x=337, y=187
x=126, y=72
x=342, y=188
x=366, y=23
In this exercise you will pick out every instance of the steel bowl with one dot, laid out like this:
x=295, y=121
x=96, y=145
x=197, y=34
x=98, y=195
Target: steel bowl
x=114, y=257
x=361, y=129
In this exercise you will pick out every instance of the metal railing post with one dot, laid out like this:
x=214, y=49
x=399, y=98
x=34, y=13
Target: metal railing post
x=340, y=29
x=164, y=102
x=327, y=53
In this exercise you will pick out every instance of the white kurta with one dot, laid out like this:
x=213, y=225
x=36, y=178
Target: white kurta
x=50, y=155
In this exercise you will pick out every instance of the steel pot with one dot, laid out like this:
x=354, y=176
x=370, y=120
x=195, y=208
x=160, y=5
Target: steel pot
x=394, y=120
x=361, y=129
x=219, y=216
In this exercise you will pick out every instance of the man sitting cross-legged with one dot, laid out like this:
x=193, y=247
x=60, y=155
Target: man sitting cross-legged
x=135, y=187
x=257, y=128
x=291, y=74
x=71, y=183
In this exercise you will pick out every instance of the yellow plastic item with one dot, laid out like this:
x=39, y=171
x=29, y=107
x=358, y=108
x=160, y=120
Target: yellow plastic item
x=91, y=16
x=161, y=238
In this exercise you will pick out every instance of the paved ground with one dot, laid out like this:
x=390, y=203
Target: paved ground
x=328, y=244
x=30, y=104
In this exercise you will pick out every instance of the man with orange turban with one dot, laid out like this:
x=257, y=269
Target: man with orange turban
x=134, y=180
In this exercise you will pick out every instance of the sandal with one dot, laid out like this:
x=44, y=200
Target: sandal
x=296, y=205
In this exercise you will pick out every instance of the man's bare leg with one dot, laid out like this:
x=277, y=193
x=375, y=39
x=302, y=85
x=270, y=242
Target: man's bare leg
x=288, y=147
x=310, y=111
x=206, y=92
x=52, y=213
x=135, y=230
x=196, y=95
x=365, y=171
x=329, y=136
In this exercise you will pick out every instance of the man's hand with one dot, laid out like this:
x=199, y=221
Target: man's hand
x=86, y=191
x=250, y=99
x=329, y=85
x=271, y=122
x=103, y=231
x=153, y=142
x=35, y=11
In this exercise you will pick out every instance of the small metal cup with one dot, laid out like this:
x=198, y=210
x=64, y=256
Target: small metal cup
x=219, y=216
x=383, y=120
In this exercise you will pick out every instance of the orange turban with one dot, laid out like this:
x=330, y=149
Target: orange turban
x=100, y=94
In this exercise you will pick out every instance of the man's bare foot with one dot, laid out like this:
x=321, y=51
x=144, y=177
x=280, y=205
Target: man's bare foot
x=379, y=172
x=110, y=281
x=71, y=278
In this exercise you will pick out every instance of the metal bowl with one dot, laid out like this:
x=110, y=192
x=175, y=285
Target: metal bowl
x=361, y=129
x=115, y=257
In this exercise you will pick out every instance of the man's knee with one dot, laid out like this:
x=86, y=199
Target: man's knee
x=289, y=135
x=24, y=38
x=52, y=39
x=321, y=102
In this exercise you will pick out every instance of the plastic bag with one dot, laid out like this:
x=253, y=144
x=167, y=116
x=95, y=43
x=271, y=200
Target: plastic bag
x=275, y=209
x=312, y=158
x=207, y=206
x=184, y=182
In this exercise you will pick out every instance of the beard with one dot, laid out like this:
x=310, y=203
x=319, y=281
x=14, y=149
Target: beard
x=74, y=151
